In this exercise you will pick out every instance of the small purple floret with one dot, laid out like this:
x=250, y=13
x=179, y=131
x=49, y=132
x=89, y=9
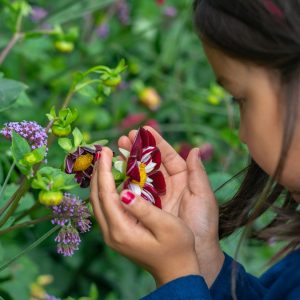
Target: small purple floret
x=123, y=12
x=73, y=216
x=38, y=13
x=103, y=30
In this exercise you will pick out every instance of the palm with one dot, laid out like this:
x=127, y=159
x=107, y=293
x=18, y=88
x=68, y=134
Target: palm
x=180, y=200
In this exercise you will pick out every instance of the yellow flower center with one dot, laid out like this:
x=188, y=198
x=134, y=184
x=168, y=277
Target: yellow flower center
x=143, y=175
x=83, y=162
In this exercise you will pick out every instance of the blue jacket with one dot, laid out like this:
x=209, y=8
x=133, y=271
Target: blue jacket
x=280, y=282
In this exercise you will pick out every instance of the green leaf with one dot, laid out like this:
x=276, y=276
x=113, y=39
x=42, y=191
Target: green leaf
x=227, y=191
x=100, y=142
x=75, y=9
x=10, y=90
x=34, y=157
x=93, y=294
x=121, y=66
x=19, y=149
x=65, y=144
x=52, y=115
x=71, y=117
x=78, y=137
x=88, y=91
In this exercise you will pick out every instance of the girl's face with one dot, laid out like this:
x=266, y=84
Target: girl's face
x=257, y=91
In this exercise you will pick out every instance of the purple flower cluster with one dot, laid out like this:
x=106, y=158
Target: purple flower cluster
x=38, y=13
x=68, y=240
x=71, y=214
x=170, y=11
x=72, y=210
x=103, y=30
x=34, y=133
x=123, y=12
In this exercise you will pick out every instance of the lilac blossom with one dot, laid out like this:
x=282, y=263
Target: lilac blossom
x=123, y=12
x=73, y=216
x=170, y=11
x=38, y=13
x=72, y=210
x=34, y=133
x=103, y=30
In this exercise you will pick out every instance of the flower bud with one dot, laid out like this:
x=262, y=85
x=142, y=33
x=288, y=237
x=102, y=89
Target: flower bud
x=150, y=98
x=61, y=131
x=50, y=198
x=64, y=46
x=112, y=81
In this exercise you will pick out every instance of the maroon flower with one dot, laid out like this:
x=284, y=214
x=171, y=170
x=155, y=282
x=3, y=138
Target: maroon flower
x=206, y=152
x=143, y=176
x=81, y=163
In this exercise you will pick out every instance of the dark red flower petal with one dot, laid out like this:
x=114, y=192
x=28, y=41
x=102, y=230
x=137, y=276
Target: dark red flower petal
x=156, y=158
x=133, y=170
x=147, y=138
x=149, y=189
x=159, y=182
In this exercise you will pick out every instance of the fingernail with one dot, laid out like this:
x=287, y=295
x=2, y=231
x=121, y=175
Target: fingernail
x=98, y=155
x=127, y=197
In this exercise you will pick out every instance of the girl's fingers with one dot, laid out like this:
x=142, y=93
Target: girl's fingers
x=152, y=218
x=107, y=192
x=124, y=142
x=171, y=160
x=198, y=181
x=96, y=204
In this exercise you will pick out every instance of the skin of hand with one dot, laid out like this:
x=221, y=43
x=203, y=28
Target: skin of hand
x=190, y=197
x=155, y=239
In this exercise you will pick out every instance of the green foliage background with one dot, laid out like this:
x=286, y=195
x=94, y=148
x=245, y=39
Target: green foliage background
x=161, y=52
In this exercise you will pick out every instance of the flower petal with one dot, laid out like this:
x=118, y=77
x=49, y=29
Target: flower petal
x=69, y=164
x=124, y=152
x=133, y=170
x=135, y=188
x=150, y=167
x=147, y=138
x=137, y=146
x=159, y=182
x=149, y=189
x=119, y=165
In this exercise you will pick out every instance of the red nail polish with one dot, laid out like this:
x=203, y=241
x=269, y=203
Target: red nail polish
x=98, y=155
x=127, y=197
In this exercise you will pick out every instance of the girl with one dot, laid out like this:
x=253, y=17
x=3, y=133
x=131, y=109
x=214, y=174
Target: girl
x=254, y=50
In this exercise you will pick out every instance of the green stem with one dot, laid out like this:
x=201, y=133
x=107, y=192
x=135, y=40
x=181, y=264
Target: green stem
x=15, y=38
x=79, y=87
x=32, y=246
x=69, y=97
x=14, y=201
x=3, y=188
x=26, y=224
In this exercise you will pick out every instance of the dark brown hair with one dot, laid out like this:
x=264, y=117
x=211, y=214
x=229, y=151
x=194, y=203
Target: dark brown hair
x=267, y=33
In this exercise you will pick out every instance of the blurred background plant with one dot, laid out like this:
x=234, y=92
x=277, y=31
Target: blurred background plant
x=49, y=50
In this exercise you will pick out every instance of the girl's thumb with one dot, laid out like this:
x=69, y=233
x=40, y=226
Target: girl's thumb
x=141, y=209
x=197, y=177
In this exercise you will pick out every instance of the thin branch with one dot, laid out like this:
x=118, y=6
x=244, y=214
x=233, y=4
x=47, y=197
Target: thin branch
x=16, y=37
x=26, y=224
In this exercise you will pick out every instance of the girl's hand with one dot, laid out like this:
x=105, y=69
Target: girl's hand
x=190, y=197
x=153, y=238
